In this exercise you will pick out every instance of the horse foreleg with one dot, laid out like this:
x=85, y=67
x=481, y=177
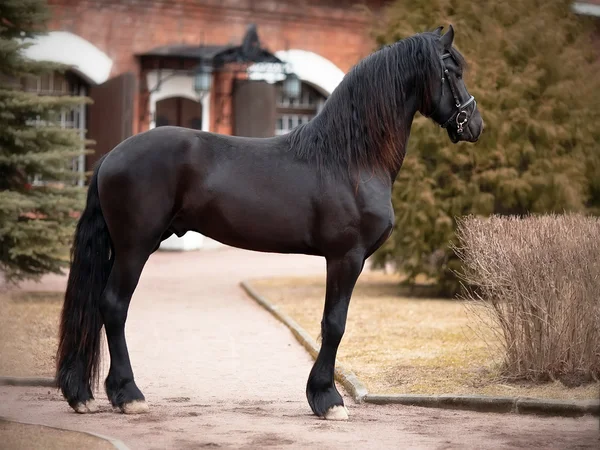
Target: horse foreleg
x=323, y=397
x=120, y=385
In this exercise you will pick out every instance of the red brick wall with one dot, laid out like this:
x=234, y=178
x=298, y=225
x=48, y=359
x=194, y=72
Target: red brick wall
x=121, y=28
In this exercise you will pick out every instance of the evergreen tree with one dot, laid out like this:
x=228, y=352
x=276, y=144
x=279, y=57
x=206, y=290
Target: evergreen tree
x=36, y=219
x=533, y=69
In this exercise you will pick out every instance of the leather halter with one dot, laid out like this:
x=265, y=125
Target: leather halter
x=460, y=116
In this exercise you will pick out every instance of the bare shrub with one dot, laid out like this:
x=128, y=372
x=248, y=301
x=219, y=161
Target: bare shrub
x=538, y=280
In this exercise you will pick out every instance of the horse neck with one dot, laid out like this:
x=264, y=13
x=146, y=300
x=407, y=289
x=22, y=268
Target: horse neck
x=391, y=145
x=361, y=128
x=408, y=113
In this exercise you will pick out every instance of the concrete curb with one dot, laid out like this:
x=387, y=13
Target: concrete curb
x=344, y=376
x=116, y=443
x=480, y=403
x=24, y=381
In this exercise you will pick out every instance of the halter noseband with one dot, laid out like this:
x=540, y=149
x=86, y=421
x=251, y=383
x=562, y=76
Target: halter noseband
x=460, y=116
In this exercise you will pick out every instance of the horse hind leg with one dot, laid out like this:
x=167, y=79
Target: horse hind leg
x=120, y=385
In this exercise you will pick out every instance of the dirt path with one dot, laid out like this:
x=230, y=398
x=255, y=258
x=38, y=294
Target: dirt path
x=18, y=436
x=218, y=371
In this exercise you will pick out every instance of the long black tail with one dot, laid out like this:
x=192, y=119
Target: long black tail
x=78, y=354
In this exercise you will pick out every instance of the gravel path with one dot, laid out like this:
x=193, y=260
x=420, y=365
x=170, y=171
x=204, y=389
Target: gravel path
x=218, y=371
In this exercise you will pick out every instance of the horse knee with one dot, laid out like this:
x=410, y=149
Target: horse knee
x=332, y=329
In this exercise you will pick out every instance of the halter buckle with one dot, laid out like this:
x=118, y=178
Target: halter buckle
x=461, y=123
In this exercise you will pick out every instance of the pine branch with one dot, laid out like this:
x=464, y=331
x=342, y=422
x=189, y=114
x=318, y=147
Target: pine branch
x=36, y=221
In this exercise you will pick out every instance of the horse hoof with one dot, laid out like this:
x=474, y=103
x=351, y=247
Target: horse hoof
x=135, y=407
x=337, y=413
x=86, y=407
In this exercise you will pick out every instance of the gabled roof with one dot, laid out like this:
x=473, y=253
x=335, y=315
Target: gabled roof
x=249, y=51
x=187, y=51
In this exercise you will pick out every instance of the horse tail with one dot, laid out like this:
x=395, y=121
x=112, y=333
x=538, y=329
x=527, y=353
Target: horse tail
x=92, y=256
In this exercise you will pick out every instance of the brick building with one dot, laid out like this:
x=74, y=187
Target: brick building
x=137, y=59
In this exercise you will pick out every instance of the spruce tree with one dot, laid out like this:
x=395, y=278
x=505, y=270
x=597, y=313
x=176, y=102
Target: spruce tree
x=36, y=219
x=533, y=69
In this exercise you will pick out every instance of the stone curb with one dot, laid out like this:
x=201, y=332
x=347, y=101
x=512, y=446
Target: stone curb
x=33, y=381
x=480, y=403
x=116, y=443
x=344, y=376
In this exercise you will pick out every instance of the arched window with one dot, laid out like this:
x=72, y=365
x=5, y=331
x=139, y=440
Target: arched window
x=57, y=84
x=293, y=112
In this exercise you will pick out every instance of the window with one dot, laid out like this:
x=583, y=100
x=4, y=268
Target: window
x=57, y=84
x=293, y=112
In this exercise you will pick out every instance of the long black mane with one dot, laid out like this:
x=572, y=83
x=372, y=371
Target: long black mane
x=364, y=122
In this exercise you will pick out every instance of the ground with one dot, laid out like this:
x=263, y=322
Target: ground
x=28, y=333
x=18, y=436
x=397, y=344
x=219, y=371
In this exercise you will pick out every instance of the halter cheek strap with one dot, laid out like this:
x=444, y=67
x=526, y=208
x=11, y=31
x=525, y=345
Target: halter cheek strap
x=460, y=116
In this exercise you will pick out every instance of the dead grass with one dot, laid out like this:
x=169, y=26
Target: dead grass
x=400, y=345
x=28, y=333
x=18, y=436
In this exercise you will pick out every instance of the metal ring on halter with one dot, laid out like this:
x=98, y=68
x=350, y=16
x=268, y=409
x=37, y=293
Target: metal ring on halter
x=459, y=123
x=462, y=108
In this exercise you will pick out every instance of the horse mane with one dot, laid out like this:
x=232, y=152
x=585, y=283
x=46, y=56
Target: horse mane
x=363, y=123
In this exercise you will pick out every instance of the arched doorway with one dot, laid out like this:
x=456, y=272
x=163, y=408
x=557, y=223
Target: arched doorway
x=179, y=111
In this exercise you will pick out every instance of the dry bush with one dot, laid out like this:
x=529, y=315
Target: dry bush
x=538, y=280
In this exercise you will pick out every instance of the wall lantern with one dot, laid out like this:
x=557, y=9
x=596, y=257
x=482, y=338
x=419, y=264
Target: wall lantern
x=292, y=86
x=203, y=79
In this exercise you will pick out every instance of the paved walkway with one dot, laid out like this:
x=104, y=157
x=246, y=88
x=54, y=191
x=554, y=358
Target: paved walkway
x=219, y=371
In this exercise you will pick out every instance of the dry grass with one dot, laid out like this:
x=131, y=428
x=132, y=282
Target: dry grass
x=537, y=281
x=28, y=333
x=399, y=345
x=18, y=436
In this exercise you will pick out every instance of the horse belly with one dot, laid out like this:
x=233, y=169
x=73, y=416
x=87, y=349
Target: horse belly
x=258, y=222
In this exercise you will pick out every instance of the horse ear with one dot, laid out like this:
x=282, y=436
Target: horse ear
x=438, y=30
x=448, y=38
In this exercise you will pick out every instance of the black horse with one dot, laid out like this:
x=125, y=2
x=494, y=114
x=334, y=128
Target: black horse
x=323, y=189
